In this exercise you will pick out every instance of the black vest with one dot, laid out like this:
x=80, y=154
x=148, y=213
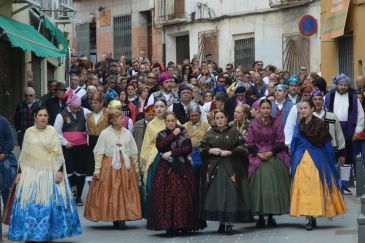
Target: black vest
x=70, y=124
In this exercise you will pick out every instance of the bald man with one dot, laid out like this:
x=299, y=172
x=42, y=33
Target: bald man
x=23, y=117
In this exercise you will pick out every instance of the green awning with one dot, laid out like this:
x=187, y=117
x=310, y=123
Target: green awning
x=56, y=33
x=28, y=39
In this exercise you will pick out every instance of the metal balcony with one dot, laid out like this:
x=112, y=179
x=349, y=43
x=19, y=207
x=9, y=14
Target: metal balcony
x=287, y=3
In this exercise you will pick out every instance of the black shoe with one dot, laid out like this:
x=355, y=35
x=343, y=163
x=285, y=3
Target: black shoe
x=122, y=225
x=309, y=226
x=170, y=232
x=260, y=223
x=271, y=222
x=222, y=228
x=79, y=202
x=314, y=222
x=229, y=229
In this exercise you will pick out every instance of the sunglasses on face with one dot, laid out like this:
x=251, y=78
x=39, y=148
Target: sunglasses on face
x=28, y=95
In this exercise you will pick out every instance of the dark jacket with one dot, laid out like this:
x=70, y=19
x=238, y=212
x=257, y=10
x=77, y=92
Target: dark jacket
x=54, y=107
x=231, y=104
x=23, y=117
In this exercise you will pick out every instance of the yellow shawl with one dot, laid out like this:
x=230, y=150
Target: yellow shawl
x=40, y=159
x=198, y=134
x=149, y=150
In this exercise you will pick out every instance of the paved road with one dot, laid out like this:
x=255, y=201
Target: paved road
x=342, y=229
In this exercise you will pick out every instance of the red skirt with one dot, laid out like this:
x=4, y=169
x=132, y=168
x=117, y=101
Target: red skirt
x=174, y=200
x=9, y=205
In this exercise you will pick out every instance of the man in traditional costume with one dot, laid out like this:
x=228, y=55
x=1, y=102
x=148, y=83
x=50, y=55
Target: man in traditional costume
x=181, y=108
x=165, y=92
x=70, y=125
x=332, y=124
x=140, y=127
x=281, y=107
x=346, y=106
x=96, y=122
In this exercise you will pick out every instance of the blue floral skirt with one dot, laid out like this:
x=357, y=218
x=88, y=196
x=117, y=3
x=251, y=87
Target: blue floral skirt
x=39, y=222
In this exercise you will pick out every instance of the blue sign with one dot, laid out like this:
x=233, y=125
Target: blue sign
x=308, y=25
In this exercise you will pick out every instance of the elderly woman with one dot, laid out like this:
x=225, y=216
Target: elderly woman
x=224, y=189
x=174, y=197
x=114, y=192
x=241, y=122
x=196, y=130
x=44, y=208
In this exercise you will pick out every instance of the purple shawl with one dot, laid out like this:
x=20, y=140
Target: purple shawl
x=263, y=139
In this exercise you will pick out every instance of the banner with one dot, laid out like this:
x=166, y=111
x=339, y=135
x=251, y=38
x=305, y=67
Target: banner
x=335, y=20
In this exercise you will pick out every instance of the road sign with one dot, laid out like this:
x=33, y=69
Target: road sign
x=308, y=25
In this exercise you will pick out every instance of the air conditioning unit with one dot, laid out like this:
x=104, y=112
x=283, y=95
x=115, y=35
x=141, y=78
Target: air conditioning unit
x=64, y=11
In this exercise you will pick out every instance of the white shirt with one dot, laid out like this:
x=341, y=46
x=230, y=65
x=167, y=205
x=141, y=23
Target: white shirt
x=97, y=116
x=80, y=93
x=280, y=105
x=320, y=115
x=290, y=124
x=266, y=80
x=58, y=125
x=341, y=106
x=293, y=99
x=151, y=99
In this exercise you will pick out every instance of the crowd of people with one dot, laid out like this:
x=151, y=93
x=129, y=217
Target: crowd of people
x=180, y=145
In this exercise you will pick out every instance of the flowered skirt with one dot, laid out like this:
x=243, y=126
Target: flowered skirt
x=44, y=222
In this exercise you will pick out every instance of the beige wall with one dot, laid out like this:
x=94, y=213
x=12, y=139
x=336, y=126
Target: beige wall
x=355, y=24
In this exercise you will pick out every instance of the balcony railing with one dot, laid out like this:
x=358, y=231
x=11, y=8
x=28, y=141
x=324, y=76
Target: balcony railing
x=58, y=9
x=285, y=3
x=169, y=10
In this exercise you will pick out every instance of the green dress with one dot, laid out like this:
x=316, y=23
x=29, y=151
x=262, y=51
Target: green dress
x=223, y=183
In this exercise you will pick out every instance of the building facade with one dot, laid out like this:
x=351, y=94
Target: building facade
x=346, y=52
x=123, y=28
x=241, y=31
x=37, y=55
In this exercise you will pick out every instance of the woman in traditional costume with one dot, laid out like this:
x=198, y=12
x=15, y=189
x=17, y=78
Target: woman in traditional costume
x=196, y=130
x=117, y=105
x=315, y=188
x=224, y=189
x=174, y=197
x=96, y=122
x=241, y=122
x=44, y=208
x=149, y=156
x=268, y=169
x=114, y=192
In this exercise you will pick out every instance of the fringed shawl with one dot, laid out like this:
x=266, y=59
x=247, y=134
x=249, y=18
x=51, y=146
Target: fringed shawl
x=40, y=159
